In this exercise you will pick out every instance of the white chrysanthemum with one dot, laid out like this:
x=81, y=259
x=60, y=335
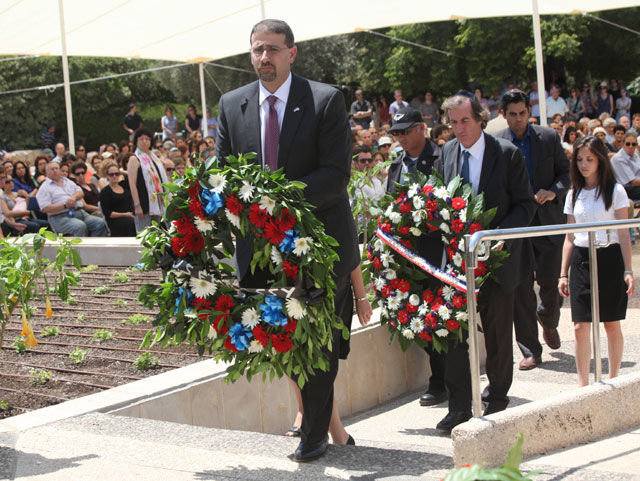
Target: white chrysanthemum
x=445, y=228
x=393, y=303
x=416, y=325
x=482, y=249
x=402, y=295
x=246, y=191
x=448, y=292
x=389, y=210
x=234, y=219
x=276, y=258
x=378, y=245
x=217, y=182
x=384, y=313
x=462, y=315
x=442, y=333
x=250, y=318
x=379, y=283
x=414, y=300
x=295, y=308
x=395, y=217
x=443, y=312
x=303, y=244
x=461, y=244
x=463, y=215
x=390, y=274
x=445, y=214
x=408, y=333
x=415, y=231
x=255, y=346
x=202, y=288
x=457, y=259
x=413, y=190
x=267, y=203
x=441, y=192
x=203, y=225
x=417, y=216
x=424, y=309
x=386, y=258
x=418, y=202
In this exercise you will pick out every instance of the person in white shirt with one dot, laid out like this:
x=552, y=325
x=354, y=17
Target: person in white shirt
x=556, y=104
x=595, y=196
x=398, y=104
x=626, y=165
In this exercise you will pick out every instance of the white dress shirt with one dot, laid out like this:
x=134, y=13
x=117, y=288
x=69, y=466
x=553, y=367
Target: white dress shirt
x=476, y=152
x=283, y=95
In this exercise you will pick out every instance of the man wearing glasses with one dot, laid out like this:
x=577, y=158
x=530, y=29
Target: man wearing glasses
x=626, y=165
x=420, y=154
x=301, y=127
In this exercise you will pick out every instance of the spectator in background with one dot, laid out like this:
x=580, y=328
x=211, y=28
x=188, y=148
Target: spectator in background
x=64, y=169
x=169, y=167
x=384, y=144
x=384, y=117
x=430, y=110
x=169, y=124
x=623, y=106
x=587, y=100
x=574, y=104
x=212, y=124
x=608, y=125
x=123, y=147
x=81, y=152
x=180, y=166
x=60, y=150
x=48, y=137
x=398, y=103
x=210, y=141
x=592, y=125
x=8, y=167
x=626, y=165
x=602, y=135
x=192, y=120
x=635, y=128
x=23, y=183
x=603, y=102
x=361, y=110
x=117, y=205
x=618, y=137
x=440, y=134
x=365, y=138
x=556, y=104
x=534, y=100
x=41, y=168
x=132, y=121
x=15, y=207
x=478, y=93
x=7, y=224
x=91, y=198
x=570, y=136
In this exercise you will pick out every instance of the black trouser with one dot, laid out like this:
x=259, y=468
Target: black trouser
x=438, y=363
x=496, y=313
x=548, y=257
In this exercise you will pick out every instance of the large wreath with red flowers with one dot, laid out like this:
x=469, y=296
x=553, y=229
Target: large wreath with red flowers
x=422, y=205
x=280, y=328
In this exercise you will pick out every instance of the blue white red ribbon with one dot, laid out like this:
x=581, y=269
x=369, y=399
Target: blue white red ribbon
x=421, y=262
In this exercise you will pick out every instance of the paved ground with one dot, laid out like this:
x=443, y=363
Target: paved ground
x=395, y=441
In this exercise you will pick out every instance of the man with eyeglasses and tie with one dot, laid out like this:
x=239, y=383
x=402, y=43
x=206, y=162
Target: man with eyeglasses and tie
x=495, y=168
x=300, y=126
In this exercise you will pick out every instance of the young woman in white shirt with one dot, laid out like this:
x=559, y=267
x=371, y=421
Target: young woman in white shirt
x=595, y=196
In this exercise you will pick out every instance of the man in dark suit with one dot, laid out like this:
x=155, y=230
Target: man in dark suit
x=300, y=126
x=420, y=153
x=548, y=169
x=495, y=168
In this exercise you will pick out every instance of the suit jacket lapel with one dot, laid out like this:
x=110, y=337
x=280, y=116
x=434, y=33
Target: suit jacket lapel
x=294, y=112
x=488, y=160
x=251, y=113
x=536, y=150
x=451, y=161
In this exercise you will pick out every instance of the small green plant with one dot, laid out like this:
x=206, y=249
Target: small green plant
x=72, y=301
x=102, y=335
x=141, y=268
x=121, y=303
x=19, y=345
x=40, y=376
x=121, y=277
x=81, y=317
x=51, y=331
x=89, y=268
x=4, y=405
x=78, y=355
x=136, y=319
x=101, y=290
x=146, y=361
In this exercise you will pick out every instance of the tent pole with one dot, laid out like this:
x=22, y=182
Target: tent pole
x=65, y=76
x=203, y=98
x=537, y=39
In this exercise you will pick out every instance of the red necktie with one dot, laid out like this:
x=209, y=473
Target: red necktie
x=271, y=135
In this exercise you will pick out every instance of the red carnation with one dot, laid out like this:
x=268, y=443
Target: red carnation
x=452, y=325
x=233, y=204
x=369, y=255
x=427, y=296
x=458, y=302
x=229, y=345
x=286, y=220
x=457, y=225
x=281, y=343
x=291, y=325
x=394, y=283
x=431, y=320
x=427, y=189
x=405, y=208
x=377, y=263
x=194, y=242
x=261, y=335
x=425, y=335
x=404, y=286
x=201, y=304
x=184, y=226
x=386, y=291
x=404, y=230
x=224, y=304
x=401, y=198
x=273, y=231
x=386, y=227
x=291, y=270
x=258, y=216
x=481, y=270
x=454, y=243
x=196, y=208
x=411, y=308
x=475, y=227
x=437, y=303
x=177, y=245
x=402, y=317
x=406, y=243
x=458, y=203
x=450, y=253
x=431, y=205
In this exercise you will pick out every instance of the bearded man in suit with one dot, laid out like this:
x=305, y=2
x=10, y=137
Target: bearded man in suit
x=300, y=126
x=495, y=168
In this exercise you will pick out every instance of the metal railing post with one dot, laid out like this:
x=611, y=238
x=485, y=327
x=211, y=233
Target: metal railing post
x=595, y=306
x=471, y=261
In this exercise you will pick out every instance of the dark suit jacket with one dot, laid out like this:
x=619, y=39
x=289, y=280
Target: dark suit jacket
x=550, y=172
x=315, y=148
x=505, y=184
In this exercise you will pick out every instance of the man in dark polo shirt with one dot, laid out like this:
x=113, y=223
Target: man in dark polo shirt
x=361, y=110
x=132, y=121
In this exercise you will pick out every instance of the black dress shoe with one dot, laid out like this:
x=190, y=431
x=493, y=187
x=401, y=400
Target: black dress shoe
x=431, y=398
x=494, y=407
x=452, y=419
x=529, y=363
x=351, y=441
x=310, y=451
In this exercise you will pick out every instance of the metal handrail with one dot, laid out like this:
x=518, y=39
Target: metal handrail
x=471, y=244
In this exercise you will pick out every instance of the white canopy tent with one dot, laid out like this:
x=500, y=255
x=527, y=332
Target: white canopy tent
x=203, y=30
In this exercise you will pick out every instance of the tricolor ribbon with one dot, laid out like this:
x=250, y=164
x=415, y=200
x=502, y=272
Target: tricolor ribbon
x=421, y=262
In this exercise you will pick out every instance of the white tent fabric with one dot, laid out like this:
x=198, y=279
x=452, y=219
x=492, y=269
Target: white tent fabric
x=199, y=30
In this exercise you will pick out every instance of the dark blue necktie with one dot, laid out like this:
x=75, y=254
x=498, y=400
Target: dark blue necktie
x=411, y=165
x=464, y=173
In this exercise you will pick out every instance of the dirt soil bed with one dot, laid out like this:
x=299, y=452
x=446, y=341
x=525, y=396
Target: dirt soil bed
x=108, y=363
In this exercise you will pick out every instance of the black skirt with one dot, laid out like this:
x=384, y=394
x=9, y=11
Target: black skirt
x=611, y=286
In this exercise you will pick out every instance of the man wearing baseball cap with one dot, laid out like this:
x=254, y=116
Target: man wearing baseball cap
x=420, y=153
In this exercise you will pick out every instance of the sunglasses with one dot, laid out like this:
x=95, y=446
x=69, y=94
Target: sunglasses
x=365, y=161
x=406, y=131
x=630, y=144
x=169, y=169
x=113, y=174
x=80, y=172
x=80, y=149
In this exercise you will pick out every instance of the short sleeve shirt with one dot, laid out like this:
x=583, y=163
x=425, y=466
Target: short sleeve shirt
x=51, y=192
x=132, y=121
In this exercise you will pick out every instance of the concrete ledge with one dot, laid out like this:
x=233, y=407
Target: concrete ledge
x=570, y=418
x=104, y=251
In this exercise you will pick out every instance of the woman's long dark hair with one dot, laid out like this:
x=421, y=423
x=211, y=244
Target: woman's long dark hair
x=567, y=134
x=27, y=174
x=606, y=177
